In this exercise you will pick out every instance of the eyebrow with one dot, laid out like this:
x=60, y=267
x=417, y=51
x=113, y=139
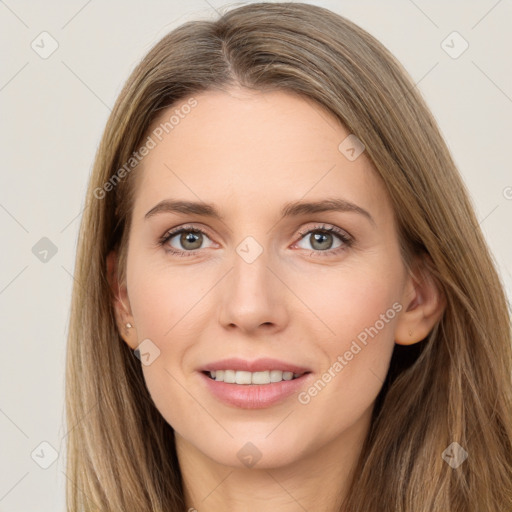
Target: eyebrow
x=291, y=209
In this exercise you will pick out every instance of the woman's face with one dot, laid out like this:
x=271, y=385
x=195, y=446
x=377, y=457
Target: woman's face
x=312, y=290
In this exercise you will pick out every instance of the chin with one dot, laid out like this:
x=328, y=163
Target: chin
x=256, y=451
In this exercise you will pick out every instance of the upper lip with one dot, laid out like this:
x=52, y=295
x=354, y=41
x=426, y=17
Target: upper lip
x=258, y=365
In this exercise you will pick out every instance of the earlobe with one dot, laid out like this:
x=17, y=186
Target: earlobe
x=424, y=303
x=120, y=303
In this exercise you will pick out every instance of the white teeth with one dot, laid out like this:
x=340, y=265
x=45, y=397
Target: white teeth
x=229, y=376
x=244, y=377
x=261, y=377
x=276, y=376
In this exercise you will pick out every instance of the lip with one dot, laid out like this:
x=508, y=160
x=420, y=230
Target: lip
x=258, y=365
x=254, y=396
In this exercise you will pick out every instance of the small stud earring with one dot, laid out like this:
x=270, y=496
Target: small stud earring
x=129, y=325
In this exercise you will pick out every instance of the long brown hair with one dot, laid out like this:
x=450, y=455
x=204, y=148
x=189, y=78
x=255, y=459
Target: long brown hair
x=454, y=386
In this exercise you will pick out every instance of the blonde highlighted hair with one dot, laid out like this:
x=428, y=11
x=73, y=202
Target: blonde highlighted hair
x=454, y=386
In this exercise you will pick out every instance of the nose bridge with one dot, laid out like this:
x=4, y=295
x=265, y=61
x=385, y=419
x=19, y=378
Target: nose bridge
x=251, y=294
x=250, y=276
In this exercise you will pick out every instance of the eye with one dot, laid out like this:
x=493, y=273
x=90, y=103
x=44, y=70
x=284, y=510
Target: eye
x=188, y=239
x=322, y=239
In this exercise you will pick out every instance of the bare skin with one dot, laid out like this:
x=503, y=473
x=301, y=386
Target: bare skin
x=303, y=300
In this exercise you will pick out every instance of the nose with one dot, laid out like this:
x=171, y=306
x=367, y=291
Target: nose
x=253, y=296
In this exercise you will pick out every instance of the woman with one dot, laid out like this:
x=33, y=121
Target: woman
x=284, y=300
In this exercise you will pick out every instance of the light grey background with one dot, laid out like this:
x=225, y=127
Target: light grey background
x=53, y=112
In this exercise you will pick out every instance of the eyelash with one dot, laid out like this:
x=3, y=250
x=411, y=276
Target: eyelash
x=346, y=239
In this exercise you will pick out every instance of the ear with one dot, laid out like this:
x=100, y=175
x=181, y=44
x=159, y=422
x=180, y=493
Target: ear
x=424, y=304
x=121, y=304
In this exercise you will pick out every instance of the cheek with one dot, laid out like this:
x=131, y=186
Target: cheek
x=165, y=303
x=352, y=302
x=361, y=309
x=164, y=300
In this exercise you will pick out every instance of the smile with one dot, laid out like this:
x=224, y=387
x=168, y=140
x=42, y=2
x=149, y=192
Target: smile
x=245, y=395
x=245, y=377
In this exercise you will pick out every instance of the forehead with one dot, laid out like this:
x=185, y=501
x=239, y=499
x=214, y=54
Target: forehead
x=248, y=149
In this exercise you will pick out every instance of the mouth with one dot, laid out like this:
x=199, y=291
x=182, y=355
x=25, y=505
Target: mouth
x=245, y=378
x=257, y=384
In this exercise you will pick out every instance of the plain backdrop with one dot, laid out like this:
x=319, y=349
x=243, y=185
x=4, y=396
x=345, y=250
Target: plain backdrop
x=53, y=111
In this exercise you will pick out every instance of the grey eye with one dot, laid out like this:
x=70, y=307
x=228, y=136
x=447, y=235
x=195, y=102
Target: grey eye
x=321, y=240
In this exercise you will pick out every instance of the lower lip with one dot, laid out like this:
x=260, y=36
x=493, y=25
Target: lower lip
x=254, y=396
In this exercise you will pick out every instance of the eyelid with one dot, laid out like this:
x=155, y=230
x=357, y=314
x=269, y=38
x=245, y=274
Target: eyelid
x=347, y=240
x=171, y=233
x=331, y=228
